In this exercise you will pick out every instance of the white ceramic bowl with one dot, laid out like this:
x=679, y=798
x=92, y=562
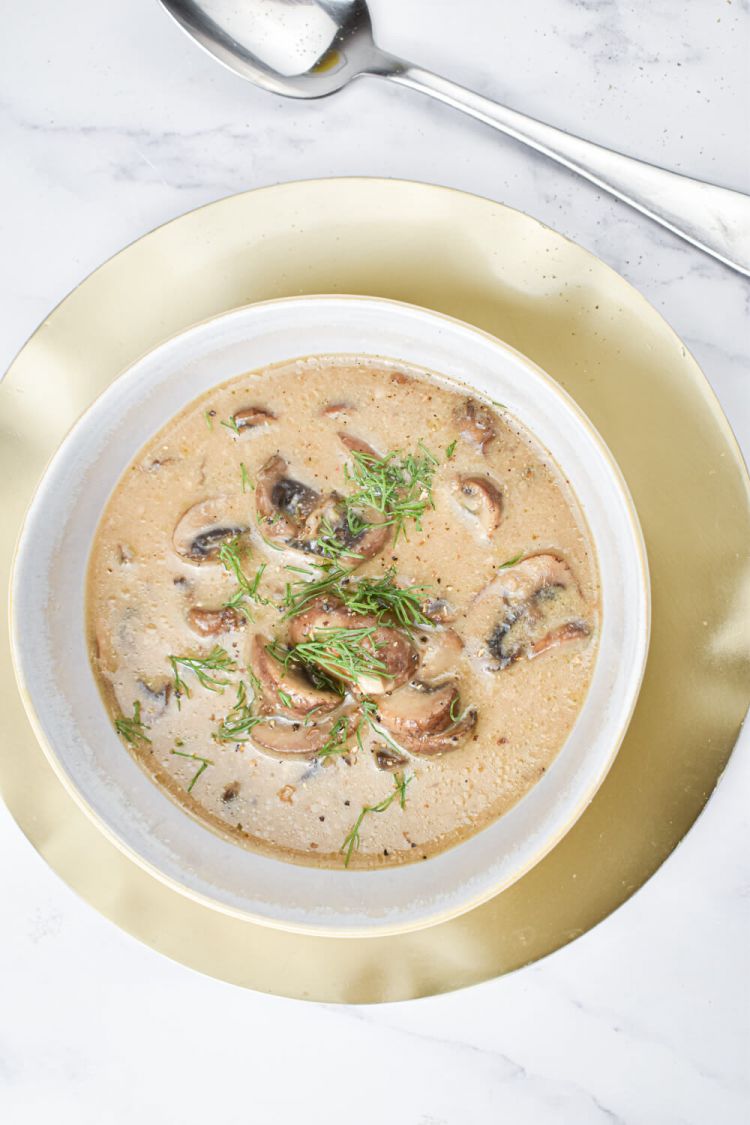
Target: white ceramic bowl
x=68, y=714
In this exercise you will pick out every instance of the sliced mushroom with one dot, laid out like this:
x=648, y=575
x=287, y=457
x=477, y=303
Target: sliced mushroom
x=390, y=647
x=286, y=738
x=389, y=760
x=279, y=684
x=477, y=422
x=431, y=745
x=439, y=610
x=203, y=528
x=231, y=792
x=439, y=652
x=534, y=574
x=212, y=622
x=570, y=631
x=154, y=698
x=328, y=521
x=250, y=417
x=357, y=445
x=418, y=708
x=527, y=610
x=303, y=520
x=483, y=498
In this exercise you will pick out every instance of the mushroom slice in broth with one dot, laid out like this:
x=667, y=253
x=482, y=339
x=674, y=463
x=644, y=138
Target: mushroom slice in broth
x=418, y=708
x=483, y=499
x=204, y=527
x=476, y=422
x=528, y=609
x=285, y=688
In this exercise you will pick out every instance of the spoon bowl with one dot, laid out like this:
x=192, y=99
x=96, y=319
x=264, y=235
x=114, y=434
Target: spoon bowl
x=311, y=48
x=298, y=48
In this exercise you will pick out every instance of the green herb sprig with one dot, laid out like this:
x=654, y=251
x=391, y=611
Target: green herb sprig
x=204, y=764
x=370, y=719
x=397, y=486
x=379, y=597
x=241, y=719
x=510, y=562
x=343, y=653
x=133, y=730
x=210, y=671
x=247, y=588
x=336, y=743
x=353, y=839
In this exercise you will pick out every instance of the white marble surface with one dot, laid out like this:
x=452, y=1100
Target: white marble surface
x=112, y=122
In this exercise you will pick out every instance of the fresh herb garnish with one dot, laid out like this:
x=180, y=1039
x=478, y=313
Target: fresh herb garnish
x=370, y=717
x=208, y=419
x=343, y=653
x=510, y=562
x=450, y=450
x=204, y=764
x=132, y=730
x=352, y=841
x=247, y=588
x=299, y=594
x=382, y=596
x=336, y=542
x=377, y=597
x=232, y=425
x=240, y=720
x=397, y=486
x=245, y=477
x=210, y=671
x=337, y=739
x=285, y=698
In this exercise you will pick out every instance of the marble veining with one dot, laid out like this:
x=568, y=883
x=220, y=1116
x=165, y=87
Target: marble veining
x=113, y=123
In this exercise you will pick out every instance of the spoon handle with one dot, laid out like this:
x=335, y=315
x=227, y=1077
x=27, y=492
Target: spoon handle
x=715, y=219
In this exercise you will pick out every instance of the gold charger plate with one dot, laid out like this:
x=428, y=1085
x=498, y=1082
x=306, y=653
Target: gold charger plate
x=508, y=274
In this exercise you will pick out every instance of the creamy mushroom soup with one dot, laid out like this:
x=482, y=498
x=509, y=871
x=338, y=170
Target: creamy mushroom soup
x=343, y=612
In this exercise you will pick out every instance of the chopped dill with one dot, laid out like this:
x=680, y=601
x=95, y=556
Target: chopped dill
x=232, y=425
x=208, y=419
x=380, y=597
x=337, y=740
x=268, y=542
x=370, y=717
x=210, y=671
x=245, y=477
x=510, y=562
x=450, y=450
x=343, y=653
x=299, y=594
x=204, y=764
x=240, y=720
x=247, y=588
x=336, y=542
x=397, y=486
x=132, y=730
x=285, y=698
x=353, y=840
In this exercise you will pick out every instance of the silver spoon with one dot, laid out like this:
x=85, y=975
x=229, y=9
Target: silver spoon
x=310, y=48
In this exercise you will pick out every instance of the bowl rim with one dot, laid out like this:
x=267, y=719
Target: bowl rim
x=496, y=887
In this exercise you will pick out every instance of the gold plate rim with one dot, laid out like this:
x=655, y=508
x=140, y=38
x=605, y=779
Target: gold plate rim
x=516, y=927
